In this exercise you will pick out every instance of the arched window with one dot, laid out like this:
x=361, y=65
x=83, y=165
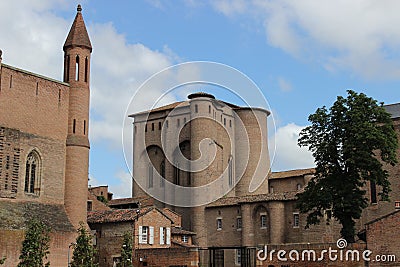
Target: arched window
x=77, y=69
x=32, y=173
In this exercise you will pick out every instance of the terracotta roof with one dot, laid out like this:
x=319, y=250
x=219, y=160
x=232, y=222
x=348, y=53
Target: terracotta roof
x=180, y=231
x=118, y=215
x=78, y=35
x=144, y=201
x=292, y=173
x=232, y=201
x=16, y=215
x=163, y=108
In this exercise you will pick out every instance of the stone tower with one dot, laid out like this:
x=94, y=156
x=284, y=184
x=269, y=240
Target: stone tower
x=77, y=50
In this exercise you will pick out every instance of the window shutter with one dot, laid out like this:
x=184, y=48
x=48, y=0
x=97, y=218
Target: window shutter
x=168, y=236
x=161, y=235
x=151, y=236
x=140, y=234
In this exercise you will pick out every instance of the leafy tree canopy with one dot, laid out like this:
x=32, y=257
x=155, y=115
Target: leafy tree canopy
x=84, y=252
x=126, y=250
x=350, y=143
x=35, y=246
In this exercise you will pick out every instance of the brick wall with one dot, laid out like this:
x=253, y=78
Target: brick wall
x=168, y=257
x=382, y=238
x=33, y=104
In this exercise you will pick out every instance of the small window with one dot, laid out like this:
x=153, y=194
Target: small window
x=296, y=220
x=271, y=189
x=184, y=120
x=84, y=127
x=238, y=256
x=209, y=109
x=74, y=126
x=77, y=69
x=239, y=223
x=159, y=125
x=219, y=224
x=89, y=205
x=263, y=220
x=298, y=187
x=196, y=108
x=225, y=121
x=145, y=127
x=86, y=69
x=166, y=123
x=178, y=122
x=144, y=234
x=185, y=239
x=152, y=127
x=230, y=123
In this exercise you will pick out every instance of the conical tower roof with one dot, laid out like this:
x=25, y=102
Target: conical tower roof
x=78, y=35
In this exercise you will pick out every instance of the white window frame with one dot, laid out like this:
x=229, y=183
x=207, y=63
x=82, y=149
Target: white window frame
x=238, y=256
x=185, y=239
x=143, y=234
x=263, y=224
x=168, y=234
x=162, y=236
x=151, y=235
x=239, y=225
x=219, y=224
x=296, y=222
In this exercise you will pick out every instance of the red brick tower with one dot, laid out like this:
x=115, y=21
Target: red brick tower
x=77, y=50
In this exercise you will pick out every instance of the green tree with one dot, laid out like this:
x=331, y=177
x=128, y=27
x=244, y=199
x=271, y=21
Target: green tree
x=84, y=252
x=126, y=250
x=35, y=246
x=350, y=144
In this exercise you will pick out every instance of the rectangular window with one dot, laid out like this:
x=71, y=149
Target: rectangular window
x=185, y=239
x=162, y=235
x=263, y=219
x=238, y=256
x=89, y=205
x=296, y=220
x=168, y=238
x=151, y=235
x=143, y=234
x=219, y=223
x=150, y=178
x=239, y=223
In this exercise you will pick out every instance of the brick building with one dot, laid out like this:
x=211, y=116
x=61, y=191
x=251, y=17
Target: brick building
x=168, y=137
x=158, y=239
x=44, y=149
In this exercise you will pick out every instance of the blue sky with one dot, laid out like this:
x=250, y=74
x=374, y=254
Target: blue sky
x=301, y=54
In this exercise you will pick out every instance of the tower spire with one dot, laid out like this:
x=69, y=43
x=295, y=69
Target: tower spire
x=78, y=36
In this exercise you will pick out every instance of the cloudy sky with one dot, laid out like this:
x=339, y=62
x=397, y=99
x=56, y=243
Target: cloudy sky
x=301, y=54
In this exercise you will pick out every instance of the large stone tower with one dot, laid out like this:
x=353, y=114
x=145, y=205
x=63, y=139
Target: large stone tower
x=77, y=50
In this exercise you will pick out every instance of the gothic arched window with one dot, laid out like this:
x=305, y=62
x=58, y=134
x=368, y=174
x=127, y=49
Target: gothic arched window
x=32, y=173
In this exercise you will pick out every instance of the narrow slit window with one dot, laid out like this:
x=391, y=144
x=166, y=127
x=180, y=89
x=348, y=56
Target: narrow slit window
x=10, y=81
x=86, y=69
x=209, y=109
x=77, y=69
x=32, y=175
x=59, y=95
x=84, y=127
x=196, y=108
x=37, y=88
x=67, y=69
x=159, y=125
x=73, y=126
x=152, y=126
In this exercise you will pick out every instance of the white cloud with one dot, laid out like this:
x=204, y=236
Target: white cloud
x=122, y=187
x=360, y=36
x=284, y=85
x=288, y=155
x=230, y=7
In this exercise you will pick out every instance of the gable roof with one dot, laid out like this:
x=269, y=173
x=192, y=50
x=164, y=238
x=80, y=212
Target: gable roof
x=120, y=215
